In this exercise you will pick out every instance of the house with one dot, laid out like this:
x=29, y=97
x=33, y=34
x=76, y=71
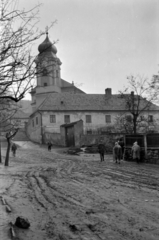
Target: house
x=62, y=113
x=98, y=112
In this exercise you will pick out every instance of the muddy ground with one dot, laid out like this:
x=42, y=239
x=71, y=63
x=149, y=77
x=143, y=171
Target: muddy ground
x=77, y=197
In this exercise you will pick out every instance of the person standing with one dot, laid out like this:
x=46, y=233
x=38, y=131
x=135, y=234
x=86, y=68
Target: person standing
x=121, y=143
x=49, y=146
x=117, y=153
x=101, y=150
x=136, y=152
x=14, y=148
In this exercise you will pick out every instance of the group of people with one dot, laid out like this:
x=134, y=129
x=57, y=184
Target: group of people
x=118, y=151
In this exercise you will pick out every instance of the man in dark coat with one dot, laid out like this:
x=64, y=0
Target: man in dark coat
x=49, y=146
x=101, y=150
x=14, y=148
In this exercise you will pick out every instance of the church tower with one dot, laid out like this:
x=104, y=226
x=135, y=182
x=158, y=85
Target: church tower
x=48, y=72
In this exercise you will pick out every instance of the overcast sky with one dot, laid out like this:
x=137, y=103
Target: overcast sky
x=101, y=42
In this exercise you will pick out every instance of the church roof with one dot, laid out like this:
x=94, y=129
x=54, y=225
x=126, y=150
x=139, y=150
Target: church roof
x=65, y=87
x=84, y=102
x=69, y=87
x=47, y=45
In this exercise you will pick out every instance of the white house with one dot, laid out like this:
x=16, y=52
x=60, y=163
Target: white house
x=58, y=107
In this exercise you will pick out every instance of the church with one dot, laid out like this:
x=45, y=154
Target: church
x=63, y=113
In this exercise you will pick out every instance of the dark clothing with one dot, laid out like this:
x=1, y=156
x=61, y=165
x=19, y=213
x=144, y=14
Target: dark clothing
x=101, y=150
x=117, y=153
x=121, y=143
x=49, y=146
x=14, y=148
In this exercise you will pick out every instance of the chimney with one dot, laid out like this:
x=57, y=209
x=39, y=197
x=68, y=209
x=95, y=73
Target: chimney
x=108, y=92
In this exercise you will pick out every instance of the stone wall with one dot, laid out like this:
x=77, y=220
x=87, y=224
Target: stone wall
x=152, y=156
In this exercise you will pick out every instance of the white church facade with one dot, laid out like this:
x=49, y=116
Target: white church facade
x=61, y=112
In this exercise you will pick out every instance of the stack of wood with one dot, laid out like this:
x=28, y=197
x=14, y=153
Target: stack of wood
x=153, y=155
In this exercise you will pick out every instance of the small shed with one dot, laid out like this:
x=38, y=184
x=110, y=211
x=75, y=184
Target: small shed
x=71, y=133
x=149, y=144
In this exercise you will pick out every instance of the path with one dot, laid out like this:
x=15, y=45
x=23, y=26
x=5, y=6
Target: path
x=71, y=197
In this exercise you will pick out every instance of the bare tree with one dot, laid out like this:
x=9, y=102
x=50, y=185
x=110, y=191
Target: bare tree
x=139, y=98
x=8, y=108
x=9, y=136
x=18, y=32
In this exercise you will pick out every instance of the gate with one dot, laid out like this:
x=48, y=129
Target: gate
x=70, y=140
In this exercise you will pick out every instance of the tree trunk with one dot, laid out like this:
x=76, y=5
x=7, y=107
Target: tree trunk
x=135, y=124
x=7, y=153
x=0, y=152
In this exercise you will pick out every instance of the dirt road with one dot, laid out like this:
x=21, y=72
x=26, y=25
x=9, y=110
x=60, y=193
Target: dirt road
x=70, y=197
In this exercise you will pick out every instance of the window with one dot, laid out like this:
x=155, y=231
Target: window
x=67, y=118
x=129, y=118
x=150, y=118
x=108, y=118
x=52, y=118
x=57, y=73
x=45, y=84
x=89, y=132
x=36, y=120
x=33, y=122
x=142, y=118
x=88, y=119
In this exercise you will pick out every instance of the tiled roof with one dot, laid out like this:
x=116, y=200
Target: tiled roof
x=20, y=114
x=84, y=102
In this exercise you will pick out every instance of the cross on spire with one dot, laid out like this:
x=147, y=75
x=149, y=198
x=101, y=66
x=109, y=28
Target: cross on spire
x=46, y=29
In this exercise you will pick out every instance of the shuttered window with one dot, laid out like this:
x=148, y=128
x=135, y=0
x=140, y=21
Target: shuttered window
x=108, y=118
x=67, y=118
x=88, y=119
x=52, y=118
x=150, y=118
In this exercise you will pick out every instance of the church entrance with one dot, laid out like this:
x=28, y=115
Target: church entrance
x=70, y=139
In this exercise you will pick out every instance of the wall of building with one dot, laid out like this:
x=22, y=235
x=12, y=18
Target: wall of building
x=78, y=133
x=34, y=129
x=98, y=119
x=98, y=122
x=54, y=138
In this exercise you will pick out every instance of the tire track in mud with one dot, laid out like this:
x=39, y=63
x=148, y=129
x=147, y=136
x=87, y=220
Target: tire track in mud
x=42, y=187
x=61, y=205
x=131, y=174
x=67, y=188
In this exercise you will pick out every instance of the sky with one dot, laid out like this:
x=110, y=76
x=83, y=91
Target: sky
x=102, y=42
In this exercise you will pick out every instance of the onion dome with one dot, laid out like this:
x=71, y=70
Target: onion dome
x=47, y=46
